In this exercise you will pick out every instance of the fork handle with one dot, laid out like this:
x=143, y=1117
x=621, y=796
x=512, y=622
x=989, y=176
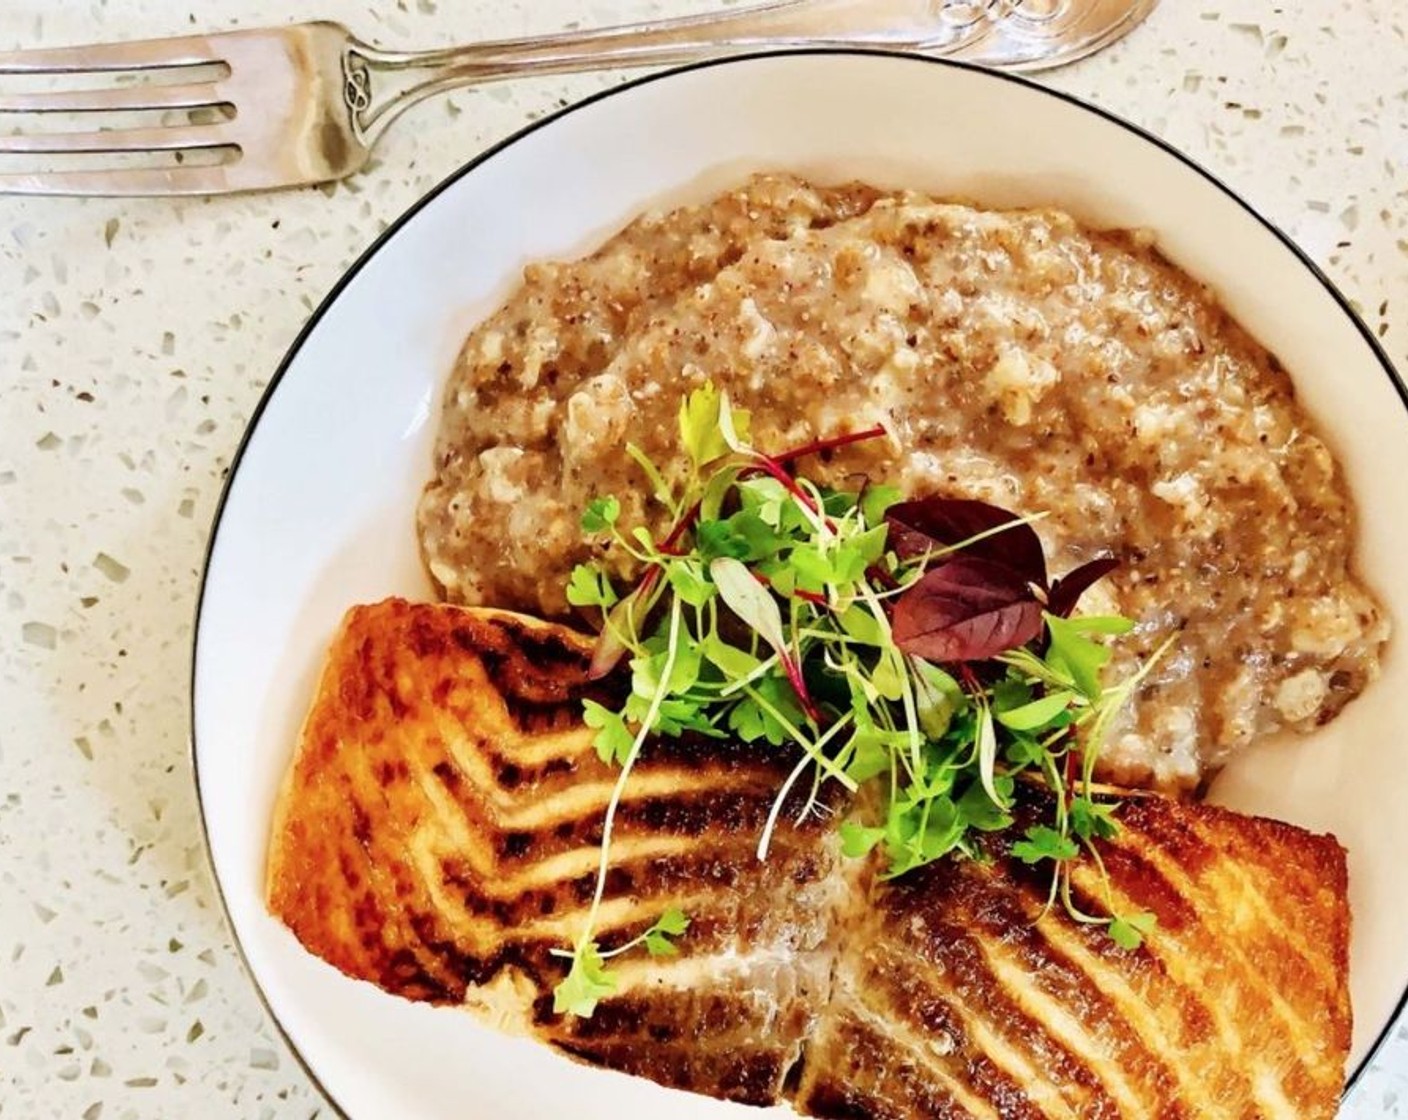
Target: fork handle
x=382, y=84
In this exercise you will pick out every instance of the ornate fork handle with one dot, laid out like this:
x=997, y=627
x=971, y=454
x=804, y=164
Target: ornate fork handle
x=380, y=85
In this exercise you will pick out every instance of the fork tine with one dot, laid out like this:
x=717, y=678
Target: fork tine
x=146, y=96
x=119, y=140
x=121, y=183
x=188, y=50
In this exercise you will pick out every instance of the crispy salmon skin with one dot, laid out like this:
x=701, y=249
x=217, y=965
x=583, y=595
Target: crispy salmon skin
x=957, y=994
x=439, y=830
x=439, y=834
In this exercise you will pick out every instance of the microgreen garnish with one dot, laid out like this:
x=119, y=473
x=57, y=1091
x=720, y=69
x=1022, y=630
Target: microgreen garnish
x=589, y=981
x=919, y=647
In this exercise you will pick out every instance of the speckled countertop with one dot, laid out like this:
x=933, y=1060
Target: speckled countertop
x=135, y=340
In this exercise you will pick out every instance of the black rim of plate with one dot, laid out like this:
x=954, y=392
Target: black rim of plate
x=489, y=153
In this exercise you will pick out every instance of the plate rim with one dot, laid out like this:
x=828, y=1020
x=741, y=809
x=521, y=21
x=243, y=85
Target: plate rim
x=1385, y=363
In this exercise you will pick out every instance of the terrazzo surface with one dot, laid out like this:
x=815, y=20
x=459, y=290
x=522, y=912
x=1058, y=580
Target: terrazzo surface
x=136, y=338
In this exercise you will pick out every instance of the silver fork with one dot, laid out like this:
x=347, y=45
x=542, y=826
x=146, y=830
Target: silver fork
x=305, y=104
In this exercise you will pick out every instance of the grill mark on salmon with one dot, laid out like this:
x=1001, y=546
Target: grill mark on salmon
x=1243, y=997
x=1294, y=947
x=939, y=1007
x=1004, y=916
x=1112, y=1018
x=971, y=1060
x=408, y=962
x=870, y=1053
x=438, y=835
x=1259, y=963
x=571, y=786
x=959, y=915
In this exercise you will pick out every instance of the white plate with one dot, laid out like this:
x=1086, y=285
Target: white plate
x=318, y=511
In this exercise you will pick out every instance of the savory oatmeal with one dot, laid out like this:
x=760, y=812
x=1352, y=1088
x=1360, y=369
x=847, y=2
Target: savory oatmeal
x=1015, y=357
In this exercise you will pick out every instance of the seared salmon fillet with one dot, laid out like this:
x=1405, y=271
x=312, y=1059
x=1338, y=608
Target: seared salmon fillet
x=956, y=995
x=438, y=834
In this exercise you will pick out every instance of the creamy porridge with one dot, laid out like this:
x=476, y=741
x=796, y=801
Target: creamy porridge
x=1013, y=356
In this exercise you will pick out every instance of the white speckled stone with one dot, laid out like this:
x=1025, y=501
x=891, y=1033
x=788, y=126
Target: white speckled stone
x=135, y=340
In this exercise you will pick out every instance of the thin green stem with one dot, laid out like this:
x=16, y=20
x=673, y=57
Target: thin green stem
x=647, y=724
x=801, y=739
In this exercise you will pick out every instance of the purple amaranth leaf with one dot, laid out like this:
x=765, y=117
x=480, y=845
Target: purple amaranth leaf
x=968, y=609
x=1066, y=591
x=931, y=524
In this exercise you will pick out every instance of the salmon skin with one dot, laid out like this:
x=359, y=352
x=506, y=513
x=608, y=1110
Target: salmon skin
x=439, y=831
x=957, y=994
x=439, y=834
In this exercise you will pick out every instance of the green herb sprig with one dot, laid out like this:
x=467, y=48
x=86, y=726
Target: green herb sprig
x=771, y=609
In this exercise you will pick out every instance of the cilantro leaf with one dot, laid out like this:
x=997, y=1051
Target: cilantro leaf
x=858, y=840
x=870, y=757
x=1012, y=691
x=1044, y=843
x=850, y=559
x=672, y=923
x=743, y=535
x=673, y=716
x=939, y=775
x=981, y=812
x=1023, y=750
x=586, y=984
x=943, y=828
x=678, y=716
x=836, y=503
x=902, y=827
x=600, y=515
x=716, y=539
x=750, y=722
x=1092, y=821
x=702, y=431
x=766, y=497
x=658, y=945
x=752, y=717
x=689, y=661
x=689, y=583
x=760, y=537
x=813, y=569
x=1127, y=931
x=589, y=586
x=871, y=544
x=613, y=739
x=646, y=671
